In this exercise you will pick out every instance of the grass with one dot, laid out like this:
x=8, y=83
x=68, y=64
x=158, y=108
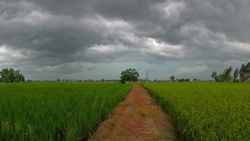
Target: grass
x=52, y=111
x=206, y=111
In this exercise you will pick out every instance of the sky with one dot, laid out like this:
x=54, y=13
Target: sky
x=97, y=39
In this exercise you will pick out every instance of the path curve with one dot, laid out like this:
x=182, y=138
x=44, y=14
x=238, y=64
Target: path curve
x=137, y=118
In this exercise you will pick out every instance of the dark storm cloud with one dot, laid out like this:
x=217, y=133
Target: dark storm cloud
x=55, y=34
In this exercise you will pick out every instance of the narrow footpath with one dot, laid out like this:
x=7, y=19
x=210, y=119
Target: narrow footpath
x=137, y=118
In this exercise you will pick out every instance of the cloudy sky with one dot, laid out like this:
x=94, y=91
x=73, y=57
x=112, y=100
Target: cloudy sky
x=95, y=39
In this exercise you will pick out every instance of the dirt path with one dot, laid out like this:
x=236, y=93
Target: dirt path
x=137, y=118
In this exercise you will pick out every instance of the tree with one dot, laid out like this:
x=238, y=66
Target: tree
x=129, y=75
x=228, y=74
x=213, y=75
x=181, y=80
x=10, y=75
x=5, y=75
x=224, y=77
x=236, y=74
x=245, y=72
x=172, y=78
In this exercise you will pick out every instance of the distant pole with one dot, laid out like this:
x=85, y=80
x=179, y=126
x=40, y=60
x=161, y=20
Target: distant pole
x=147, y=76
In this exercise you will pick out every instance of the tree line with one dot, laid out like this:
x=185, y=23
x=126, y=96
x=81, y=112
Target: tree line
x=10, y=75
x=242, y=75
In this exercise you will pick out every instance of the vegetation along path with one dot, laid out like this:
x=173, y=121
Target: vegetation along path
x=136, y=118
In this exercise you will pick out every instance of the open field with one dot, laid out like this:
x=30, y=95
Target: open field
x=55, y=111
x=206, y=110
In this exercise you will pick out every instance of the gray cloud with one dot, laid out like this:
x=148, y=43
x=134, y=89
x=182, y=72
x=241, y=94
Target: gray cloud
x=59, y=37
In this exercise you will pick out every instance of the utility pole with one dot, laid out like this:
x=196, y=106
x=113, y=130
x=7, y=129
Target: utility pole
x=147, y=76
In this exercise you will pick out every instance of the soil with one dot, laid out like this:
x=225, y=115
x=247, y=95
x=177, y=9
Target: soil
x=137, y=118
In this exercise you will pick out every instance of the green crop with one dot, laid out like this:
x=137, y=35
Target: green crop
x=49, y=111
x=206, y=111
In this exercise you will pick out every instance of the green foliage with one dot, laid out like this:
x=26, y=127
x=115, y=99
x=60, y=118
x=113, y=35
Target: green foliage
x=129, y=75
x=245, y=72
x=122, y=81
x=181, y=80
x=50, y=111
x=214, y=75
x=206, y=111
x=10, y=76
x=184, y=80
x=236, y=74
x=224, y=77
x=172, y=78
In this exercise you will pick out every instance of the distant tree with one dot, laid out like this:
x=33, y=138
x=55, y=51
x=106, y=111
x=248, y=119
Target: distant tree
x=102, y=80
x=228, y=76
x=10, y=76
x=236, y=74
x=129, y=75
x=245, y=72
x=155, y=80
x=58, y=80
x=224, y=77
x=187, y=80
x=217, y=78
x=181, y=80
x=172, y=78
x=213, y=75
x=5, y=75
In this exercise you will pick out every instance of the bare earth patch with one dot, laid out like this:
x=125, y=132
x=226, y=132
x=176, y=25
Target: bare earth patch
x=137, y=118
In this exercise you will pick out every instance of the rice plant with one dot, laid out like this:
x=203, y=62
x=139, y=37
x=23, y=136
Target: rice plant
x=50, y=111
x=206, y=111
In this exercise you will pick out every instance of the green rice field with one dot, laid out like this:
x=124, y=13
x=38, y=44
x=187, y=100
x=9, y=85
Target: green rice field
x=206, y=111
x=49, y=111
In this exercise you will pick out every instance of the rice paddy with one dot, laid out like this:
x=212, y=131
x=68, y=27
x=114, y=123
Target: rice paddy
x=40, y=111
x=206, y=110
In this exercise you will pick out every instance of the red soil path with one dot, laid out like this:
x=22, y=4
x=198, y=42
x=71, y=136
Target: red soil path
x=137, y=118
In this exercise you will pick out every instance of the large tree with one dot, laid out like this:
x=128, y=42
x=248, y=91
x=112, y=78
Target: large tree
x=129, y=75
